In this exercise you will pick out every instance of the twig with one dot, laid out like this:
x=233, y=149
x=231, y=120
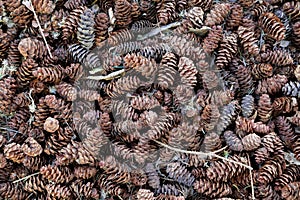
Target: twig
x=26, y=177
x=251, y=180
x=158, y=30
x=107, y=77
x=210, y=154
x=28, y=4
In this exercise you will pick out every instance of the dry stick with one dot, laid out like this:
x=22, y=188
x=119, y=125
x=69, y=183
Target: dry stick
x=28, y=4
x=26, y=177
x=210, y=154
x=251, y=179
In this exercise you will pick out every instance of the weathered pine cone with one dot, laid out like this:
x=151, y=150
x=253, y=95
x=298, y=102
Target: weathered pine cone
x=272, y=25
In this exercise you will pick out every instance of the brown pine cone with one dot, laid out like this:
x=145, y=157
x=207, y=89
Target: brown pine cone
x=212, y=189
x=31, y=147
x=272, y=25
x=138, y=177
x=261, y=155
x=101, y=28
x=291, y=191
x=266, y=192
x=67, y=91
x=51, y=125
x=166, y=12
x=251, y=142
x=35, y=184
x=258, y=10
x=210, y=80
x=285, y=131
x=217, y=14
x=290, y=174
x=209, y=117
x=283, y=105
x=67, y=154
x=57, y=174
x=144, y=194
x=2, y=141
x=11, y=191
x=32, y=48
x=271, y=85
x=195, y=15
x=246, y=3
x=295, y=119
x=270, y=170
x=84, y=189
x=296, y=31
x=167, y=70
x=243, y=75
x=144, y=102
x=49, y=74
x=277, y=57
x=13, y=151
x=211, y=42
x=3, y=161
x=122, y=12
x=248, y=40
x=84, y=172
x=58, y=191
x=235, y=17
x=228, y=49
x=187, y=71
x=262, y=70
x=34, y=163
x=265, y=108
x=233, y=141
x=7, y=92
x=292, y=9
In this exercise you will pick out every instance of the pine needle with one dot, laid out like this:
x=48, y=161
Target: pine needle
x=26, y=177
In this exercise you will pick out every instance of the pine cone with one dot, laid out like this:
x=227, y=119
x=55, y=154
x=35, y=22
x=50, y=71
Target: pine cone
x=84, y=189
x=67, y=91
x=211, y=42
x=262, y=70
x=258, y=10
x=14, y=152
x=84, y=172
x=271, y=85
x=284, y=105
x=101, y=28
x=261, y=155
x=217, y=14
x=291, y=191
x=152, y=176
x=272, y=25
x=59, y=191
x=138, y=177
x=166, y=11
x=180, y=173
x=35, y=184
x=270, y=170
x=57, y=174
x=265, y=108
x=291, y=88
x=209, y=117
x=248, y=40
x=251, y=142
x=233, y=141
x=228, y=49
x=290, y=174
x=296, y=31
x=122, y=12
x=187, y=71
x=277, y=57
x=212, y=142
x=195, y=15
x=144, y=194
x=210, y=80
x=228, y=115
x=49, y=74
x=31, y=147
x=167, y=70
x=244, y=78
x=51, y=125
x=235, y=17
x=85, y=29
x=292, y=9
x=32, y=48
x=212, y=189
x=11, y=191
x=44, y=6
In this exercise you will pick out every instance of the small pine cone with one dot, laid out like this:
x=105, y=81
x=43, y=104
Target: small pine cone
x=228, y=115
x=49, y=74
x=13, y=152
x=292, y=10
x=32, y=48
x=67, y=91
x=296, y=31
x=272, y=85
x=2, y=141
x=89, y=95
x=144, y=194
x=111, y=187
x=297, y=72
x=211, y=42
x=261, y=155
x=233, y=141
x=101, y=28
x=285, y=131
x=34, y=163
x=84, y=172
x=272, y=25
x=210, y=80
x=58, y=191
x=44, y=6
x=123, y=85
x=72, y=4
x=248, y=40
x=7, y=92
x=115, y=170
x=270, y=170
x=292, y=88
x=152, y=176
x=290, y=174
x=277, y=57
x=166, y=11
x=217, y=14
x=262, y=70
x=14, y=56
x=212, y=142
x=24, y=72
x=84, y=189
x=180, y=173
x=118, y=37
x=295, y=119
x=56, y=174
x=212, y=189
x=167, y=70
x=228, y=49
x=187, y=71
x=261, y=128
x=265, y=107
x=69, y=28
x=122, y=12
x=273, y=144
x=247, y=105
x=138, y=177
x=251, y=142
x=67, y=154
x=243, y=75
x=85, y=29
x=31, y=147
x=145, y=66
x=51, y=125
x=35, y=184
x=235, y=17
x=3, y=161
x=283, y=105
x=291, y=191
x=195, y=15
x=209, y=117
x=135, y=11
x=244, y=124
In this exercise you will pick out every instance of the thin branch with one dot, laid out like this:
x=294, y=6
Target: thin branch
x=210, y=154
x=107, y=77
x=251, y=180
x=26, y=177
x=28, y=4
